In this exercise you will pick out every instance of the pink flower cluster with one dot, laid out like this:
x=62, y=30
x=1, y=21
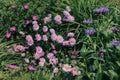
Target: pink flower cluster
x=31, y=68
x=19, y=48
x=58, y=19
x=60, y=39
x=42, y=62
x=39, y=52
x=35, y=26
x=37, y=37
x=11, y=66
x=12, y=29
x=47, y=19
x=67, y=16
x=29, y=39
x=69, y=68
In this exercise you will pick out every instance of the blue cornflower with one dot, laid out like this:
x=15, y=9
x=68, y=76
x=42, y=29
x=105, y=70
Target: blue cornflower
x=87, y=21
x=90, y=31
x=101, y=10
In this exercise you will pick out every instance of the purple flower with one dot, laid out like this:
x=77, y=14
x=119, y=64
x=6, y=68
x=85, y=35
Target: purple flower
x=37, y=37
x=68, y=8
x=39, y=49
x=45, y=28
x=35, y=18
x=25, y=6
x=55, y=70
x=115, y=43
x=54, y=51
x=114, y=29
x=50, y=55
x=58, y=19
x=72, y=41
x=13, y=28
x=29, y=39
x=45, y=38
x=69, y=18
x=8, y=35
x=35, y=27
x=47, y=19
x=52, y=31
x=101, y=10
x=27, y=22
x=53, y=61
x=31, y=68
x=19, y=48
x=13, y=66
x=66, y=13
x=90, y=31
x=87, y=22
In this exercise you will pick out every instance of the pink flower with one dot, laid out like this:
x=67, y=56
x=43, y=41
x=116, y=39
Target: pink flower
x=53, y=61
x=75, y=71
x=13, y=66
x=52, y=31
x=30, y=42
x=59, y=39
x=8, y=35
x=39, y=49
x=31, y=68
x=26, y=60
x=70, y=34
x=68, y=8
x=69, y=18
x=66, y=68
x=38, y=37
x=65, y=43
x=72, y=41
x=35, y=27
x=34, y=22
x=28, y=37
x=41, y=64
x=60, y=64
x=55, y=70
x=42, y=60
x=27, y=22
x=19, y=48
x=13, y=29
x=35, y=18
x=25, y=6
x=50, y=55
x=53, y=37
x=58, y=19
x=45, y=28
x=22, y=33
x=54, y=51
x=13, y=6
x=38, y=55
x=66, y=13
x=45, y=38
x=47, y=20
